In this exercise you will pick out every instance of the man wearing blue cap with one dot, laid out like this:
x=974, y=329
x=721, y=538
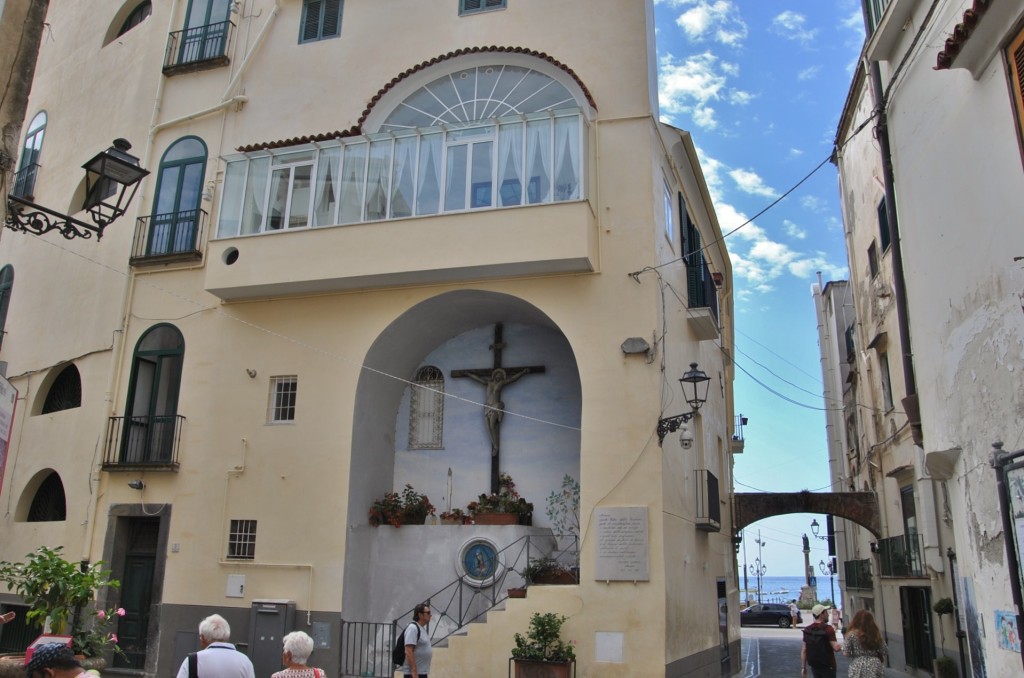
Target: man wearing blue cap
x=53, y=660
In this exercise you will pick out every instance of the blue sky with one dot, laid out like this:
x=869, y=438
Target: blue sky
x=760, y=84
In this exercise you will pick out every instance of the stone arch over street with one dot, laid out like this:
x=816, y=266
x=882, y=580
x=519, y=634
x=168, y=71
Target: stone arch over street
x=858, y=507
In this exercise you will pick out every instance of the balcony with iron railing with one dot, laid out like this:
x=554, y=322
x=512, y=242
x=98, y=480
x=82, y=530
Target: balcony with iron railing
x=900, y=556
x=143, y=443
x=702, y=302
x=709, y=508
x=198, y=48
x=175, y=236
x=737, y=443
x=25, y=182
x=858, y=574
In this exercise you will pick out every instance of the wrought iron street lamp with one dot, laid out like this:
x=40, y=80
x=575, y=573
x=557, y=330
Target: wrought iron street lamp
x=695, y=384
x=111, y=179
x=829, y=570
x=815, y=526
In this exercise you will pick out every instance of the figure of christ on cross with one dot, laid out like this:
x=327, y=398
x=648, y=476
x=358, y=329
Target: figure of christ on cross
x=495, y=380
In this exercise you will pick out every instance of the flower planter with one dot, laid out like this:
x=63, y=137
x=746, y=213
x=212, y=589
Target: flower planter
x=517, y=593
x=451, y=521
x=560, y=578
x=496, y=518
x=527, y=668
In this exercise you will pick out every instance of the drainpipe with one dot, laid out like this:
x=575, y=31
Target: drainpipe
x=252, y=50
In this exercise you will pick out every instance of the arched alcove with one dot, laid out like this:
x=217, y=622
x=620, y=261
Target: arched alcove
x=43, y=499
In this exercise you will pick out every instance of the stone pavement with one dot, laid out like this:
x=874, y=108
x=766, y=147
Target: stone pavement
x=767, y=652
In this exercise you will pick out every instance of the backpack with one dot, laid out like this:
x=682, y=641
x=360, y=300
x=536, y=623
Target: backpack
x=398, y=653
x=819, y=650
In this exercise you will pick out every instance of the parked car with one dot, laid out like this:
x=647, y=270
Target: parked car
x=775, y=614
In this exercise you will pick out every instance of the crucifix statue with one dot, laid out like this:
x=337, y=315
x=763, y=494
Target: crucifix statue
x=495, y=379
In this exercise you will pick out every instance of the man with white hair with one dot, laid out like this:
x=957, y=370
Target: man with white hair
x=218, y=658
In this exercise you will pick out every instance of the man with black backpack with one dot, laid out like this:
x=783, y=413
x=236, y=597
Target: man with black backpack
x=416, y=643
x=820, y=646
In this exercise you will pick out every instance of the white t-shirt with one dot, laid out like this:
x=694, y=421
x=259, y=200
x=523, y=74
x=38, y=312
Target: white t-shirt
x=421, y=653
x=220, y=660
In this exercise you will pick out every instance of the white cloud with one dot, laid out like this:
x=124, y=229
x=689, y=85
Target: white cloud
x=794, y=231
x=690, y=87
x=740, y=98
x=813, y=203
x=808, y=73
x=793, y=26
x=751, y=182
x=795, y=153
x=717, y=20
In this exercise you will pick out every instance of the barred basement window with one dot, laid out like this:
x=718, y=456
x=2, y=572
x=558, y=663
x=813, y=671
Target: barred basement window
x=242, y=540
x=426, y=410
x=474, y=6
x=65, y=392
x=283, y=391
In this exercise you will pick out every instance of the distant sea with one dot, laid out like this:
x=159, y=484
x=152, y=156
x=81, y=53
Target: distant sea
x=772, y=588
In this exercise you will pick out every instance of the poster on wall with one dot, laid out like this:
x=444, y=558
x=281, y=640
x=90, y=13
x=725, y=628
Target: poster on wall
x=1006, y=629
x=1015, y=494
x=8, y=401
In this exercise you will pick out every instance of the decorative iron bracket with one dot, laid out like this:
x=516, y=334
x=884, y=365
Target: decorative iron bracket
x=672, y=424
x=29, y=217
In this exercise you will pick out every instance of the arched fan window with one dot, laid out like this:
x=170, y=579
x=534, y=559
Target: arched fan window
x=426, y=410
x=65, y=391
x=49, y=504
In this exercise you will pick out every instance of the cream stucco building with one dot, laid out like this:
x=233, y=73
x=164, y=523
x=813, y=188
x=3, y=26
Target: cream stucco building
x=350, y=205
x=930, y=170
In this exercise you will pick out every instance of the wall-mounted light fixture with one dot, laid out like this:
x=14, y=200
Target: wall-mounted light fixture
x=251, y=372
x=136, y=484
x=111, y=180
x=695, y=385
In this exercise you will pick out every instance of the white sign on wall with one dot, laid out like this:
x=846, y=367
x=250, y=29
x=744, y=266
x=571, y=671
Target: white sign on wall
x=622, y=544
x=8, y=400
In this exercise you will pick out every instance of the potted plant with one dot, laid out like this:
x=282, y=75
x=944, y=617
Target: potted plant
x=542, y=653
x=944, y=666
x=548, y=571
x=408, y=508
x=454, y=517
x=61, y=599
x=505, y=507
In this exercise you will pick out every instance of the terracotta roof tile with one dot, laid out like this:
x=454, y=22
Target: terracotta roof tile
x=357, y=129
x=961, y=32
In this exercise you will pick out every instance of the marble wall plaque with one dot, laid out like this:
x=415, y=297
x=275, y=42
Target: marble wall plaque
x=622, y=544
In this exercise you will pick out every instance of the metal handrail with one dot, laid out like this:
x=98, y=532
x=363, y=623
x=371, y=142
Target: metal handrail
x=900, y=556
x=198, y=44
x=143, y=441
x=364, y=651
x=174, y=234
x=25, y=182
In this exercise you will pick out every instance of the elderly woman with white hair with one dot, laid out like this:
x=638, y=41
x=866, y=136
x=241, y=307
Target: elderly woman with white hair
x=297, y=648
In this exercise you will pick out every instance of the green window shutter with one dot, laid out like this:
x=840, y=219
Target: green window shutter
x=332, y=19
x=694, y=265
x=312, y=19
x=471, y=6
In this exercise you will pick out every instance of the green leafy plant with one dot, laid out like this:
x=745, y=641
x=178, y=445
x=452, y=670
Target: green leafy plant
x=945, y=667
x=564, y=507
x=408, y=508
x=943, y=606
x=543, y=640
x=544, y=568
x=60, y=591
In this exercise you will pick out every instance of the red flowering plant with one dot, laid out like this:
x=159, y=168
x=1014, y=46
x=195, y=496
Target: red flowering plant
x=505, y=500
x=96, y=637
x=408, y=508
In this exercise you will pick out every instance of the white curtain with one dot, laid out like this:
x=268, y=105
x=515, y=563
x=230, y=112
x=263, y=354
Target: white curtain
x=231, y=199
x=378, y=172
x=255, y=196
x=428, y=185
x=403, y=178
x=510, y=164
x=353, y=179
x=567, y=158
x=326, y=192
x=455, y=178
x=538, y=161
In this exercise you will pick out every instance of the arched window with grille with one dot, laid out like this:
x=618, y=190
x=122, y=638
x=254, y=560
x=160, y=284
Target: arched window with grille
x=65, y=392
x=426, y=410
x=49, y=503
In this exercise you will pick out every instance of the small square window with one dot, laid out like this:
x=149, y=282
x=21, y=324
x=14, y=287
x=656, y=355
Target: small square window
x=474, y=6
x=281, y=408
x=242, y=540
x=321, y=19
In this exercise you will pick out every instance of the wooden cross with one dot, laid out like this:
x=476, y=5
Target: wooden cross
x=495, y=379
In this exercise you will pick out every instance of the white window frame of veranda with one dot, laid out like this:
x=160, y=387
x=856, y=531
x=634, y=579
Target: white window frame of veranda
x=383, y=176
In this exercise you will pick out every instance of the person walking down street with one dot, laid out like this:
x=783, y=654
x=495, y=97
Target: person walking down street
x=819, y=646
x=417, y=644
x=794, y=612
x=865, y=647
x=218, y=658
x=54, y=660
x=297, y=648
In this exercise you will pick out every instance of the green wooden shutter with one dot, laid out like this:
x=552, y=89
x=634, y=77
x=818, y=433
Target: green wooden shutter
x=332, y=19
x=694, y=265
x=311, y=19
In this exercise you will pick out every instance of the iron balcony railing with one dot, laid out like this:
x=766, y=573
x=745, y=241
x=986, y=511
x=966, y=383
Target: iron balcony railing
x=366, y=646
x=900, y=556
x=703, y=293
x=876, y=10
x=858, y=574
x=198, y=48
x=143, y=442
x=25, y=182
x=851, y=348
x=175, y=235
x=709, y=509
